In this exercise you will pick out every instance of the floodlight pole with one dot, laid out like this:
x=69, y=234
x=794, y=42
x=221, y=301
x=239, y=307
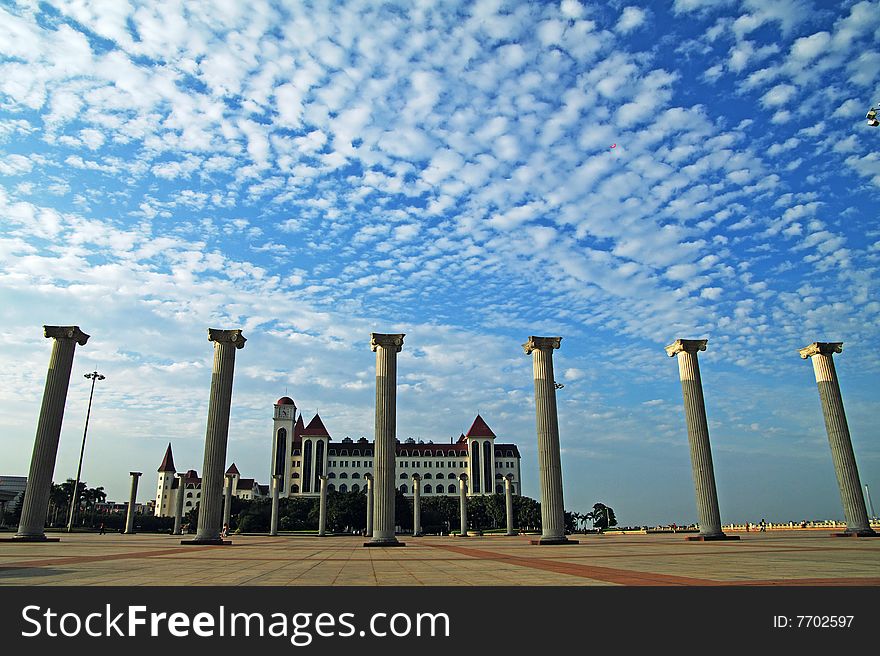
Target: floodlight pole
x=94, y=376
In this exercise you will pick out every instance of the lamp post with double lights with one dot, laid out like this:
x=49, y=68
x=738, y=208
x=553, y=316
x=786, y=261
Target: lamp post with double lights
x=95, y=376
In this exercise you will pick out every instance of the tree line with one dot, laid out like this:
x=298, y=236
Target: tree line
x=346, y=513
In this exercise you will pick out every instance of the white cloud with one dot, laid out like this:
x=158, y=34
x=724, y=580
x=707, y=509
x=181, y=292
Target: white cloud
x=630, y=19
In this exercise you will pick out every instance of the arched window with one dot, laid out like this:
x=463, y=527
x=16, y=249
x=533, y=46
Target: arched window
x=403, y=488
x=487, y=466
x=331, y=475
x=330, y=487
x=307, y=466
x=355, y=475
x=280, y=449
x=294, y=489
x=499, y=489
x=188, y=495
x=403, y=476
x=355, y=452
x=428, y=475
x=440, y=489
x=319, y=463
x=343, y=488
x=475, y=467
x=295, y=475
x=427, y=489
x=452, y=476
x=428, y=454
x=343, y=475
x=355, y=488
x=497, y=453
x=497, y=476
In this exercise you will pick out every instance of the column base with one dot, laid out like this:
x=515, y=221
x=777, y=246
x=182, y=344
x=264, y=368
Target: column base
x=30, y=538
x=710, y=538
x=196, y=541
x=543, y=541
x=417, y=535
x=870, y=533
x=396, y=543
x=510, y=535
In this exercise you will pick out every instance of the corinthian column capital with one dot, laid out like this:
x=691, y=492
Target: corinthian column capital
x=66, y=332
x=392, y=341
x=821, y=348
x=233, y=337
x=687, y=345
x=541, y=343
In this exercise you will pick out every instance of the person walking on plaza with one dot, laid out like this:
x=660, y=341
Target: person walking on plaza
x=763, y=525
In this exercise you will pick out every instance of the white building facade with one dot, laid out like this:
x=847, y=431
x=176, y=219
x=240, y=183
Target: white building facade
x=302, y=454
x=168, y=487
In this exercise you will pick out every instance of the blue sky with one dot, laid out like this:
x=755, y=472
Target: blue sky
x=469, y=174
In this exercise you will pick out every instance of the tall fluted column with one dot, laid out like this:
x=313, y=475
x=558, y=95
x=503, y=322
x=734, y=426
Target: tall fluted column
x=386, y=348
x=417, y=505
x=838, y=437
x=508, y=503
x=226, y=342
x=227, y=501
x=39, y=482
x=178, y=509
x=322, y=508
x=132, y=501
x=549, y=461
x=698, y=437
x=273, y=523
x=369, y=479
x=462, y=503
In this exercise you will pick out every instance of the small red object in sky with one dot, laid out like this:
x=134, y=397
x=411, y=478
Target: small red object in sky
x=614, y=145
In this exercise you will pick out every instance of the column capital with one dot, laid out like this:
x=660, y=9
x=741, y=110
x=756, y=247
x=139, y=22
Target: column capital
x=387, y=341
x=416, y=477
x=821, y=348
x=277, y=477
x=541, y=343
x=66, y=332
x=233, y=337
x=368, y=477
x=689, y=345
x=463, y=477
x=135, y=473
x=181, y=475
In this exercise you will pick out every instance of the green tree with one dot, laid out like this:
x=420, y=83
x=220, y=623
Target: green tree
x=602, y=516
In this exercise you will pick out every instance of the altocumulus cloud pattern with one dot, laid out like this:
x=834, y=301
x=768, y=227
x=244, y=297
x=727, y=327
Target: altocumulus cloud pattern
x=468, y=173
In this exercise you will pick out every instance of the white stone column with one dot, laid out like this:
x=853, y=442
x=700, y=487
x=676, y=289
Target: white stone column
x=462, y=501
x=839, y=439
x=708, y=514
x=369, y=479
x=39, y=482
x=508, y=503
x=178, y=506
x=386, y=348
x=276, y=484
x=227, y=501
x=132, y=501
x=549, y=459
x=322, y=508
x=226, y=342
x=417, y=503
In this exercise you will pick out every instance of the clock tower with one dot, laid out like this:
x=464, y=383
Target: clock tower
x=282, y=442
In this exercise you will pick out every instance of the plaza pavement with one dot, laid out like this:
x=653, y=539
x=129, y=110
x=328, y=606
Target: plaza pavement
x=777, y=558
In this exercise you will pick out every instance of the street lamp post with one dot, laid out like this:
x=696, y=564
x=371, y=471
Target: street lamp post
x=94, y=376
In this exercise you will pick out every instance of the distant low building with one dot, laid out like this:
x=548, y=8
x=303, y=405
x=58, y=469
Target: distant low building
x=165, y=502
x=11, y=491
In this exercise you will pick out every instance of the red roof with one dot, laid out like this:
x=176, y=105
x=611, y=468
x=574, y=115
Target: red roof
x=168, y=461
x=233, y=470
x=285, y=400
x=316, y=428
x=480, y=429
